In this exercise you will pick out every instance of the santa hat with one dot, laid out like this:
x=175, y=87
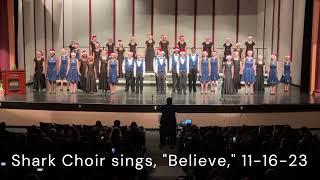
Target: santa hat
x=94, y=36
x=228, y=57
x=113, y=54
x=238, y=44
x=181, y=36
x=182, y=51
x=274, y=54
x=161, y=51
x=287, y=56
x=119, y=40
x=84, y=53
x=176, y=49
x=205, y=52
x=52, y=50
x=162, y=35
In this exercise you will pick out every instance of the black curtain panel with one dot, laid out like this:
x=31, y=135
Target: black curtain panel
x=306, y=49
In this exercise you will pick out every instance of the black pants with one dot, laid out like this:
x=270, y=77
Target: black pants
x=161, y=83
x=175, y=81
x=193, y=80
x=129, y=81
x=139, y=83
x=183, y=81
x=167, y=137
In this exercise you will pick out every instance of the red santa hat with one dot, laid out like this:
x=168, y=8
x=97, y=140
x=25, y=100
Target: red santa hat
x=162, y=35
x=228, y=57
x=119, y=40
x=204, y=52
x=113, y=54
x=183, y=51
x=84, y=53
x=181, y=36
x=130, y=52
x=52, y=50
x=94, y=36
x=161, y=51
x=274, y=54
x=176, y=48
x=287, y=56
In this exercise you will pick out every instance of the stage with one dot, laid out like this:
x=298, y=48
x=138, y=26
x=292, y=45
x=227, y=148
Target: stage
x=294, y=101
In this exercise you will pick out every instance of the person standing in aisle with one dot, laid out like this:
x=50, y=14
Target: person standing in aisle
x=139, y=71
x=173, y=61
x=183, y=71
x=127, y=70
x=193, y=71
x=214, y=74
x=52, y=66
x=161, y=70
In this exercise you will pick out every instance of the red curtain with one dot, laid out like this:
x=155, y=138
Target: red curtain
x=4, y=36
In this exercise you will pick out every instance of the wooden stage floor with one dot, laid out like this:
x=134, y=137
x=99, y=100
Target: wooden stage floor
x=294, y=101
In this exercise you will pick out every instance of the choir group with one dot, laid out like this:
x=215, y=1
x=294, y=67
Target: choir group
x=81, y=69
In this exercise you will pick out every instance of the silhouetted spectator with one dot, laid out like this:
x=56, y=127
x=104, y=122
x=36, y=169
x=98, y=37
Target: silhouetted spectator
x=3, y=129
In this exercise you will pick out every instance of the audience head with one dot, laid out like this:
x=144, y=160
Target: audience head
x=3, y=126
x=116, y=123
x=98, y=124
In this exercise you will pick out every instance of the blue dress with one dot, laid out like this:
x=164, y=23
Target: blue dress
x=204, y=76
x=52, y=69
x=113, y=74
x=73, y=74
x=286, y=77
x=63, y=67
x=214, y=70
x=248, y=72
x=273, y=77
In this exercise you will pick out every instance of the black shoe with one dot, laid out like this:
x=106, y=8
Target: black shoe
x=194, y=90
x=141, y=92
x=184, y=92
x=133, y=90
x=126, y=90
x=137, y=92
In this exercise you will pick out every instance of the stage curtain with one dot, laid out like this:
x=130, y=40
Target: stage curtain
x=4, y=36
x=306, y=52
